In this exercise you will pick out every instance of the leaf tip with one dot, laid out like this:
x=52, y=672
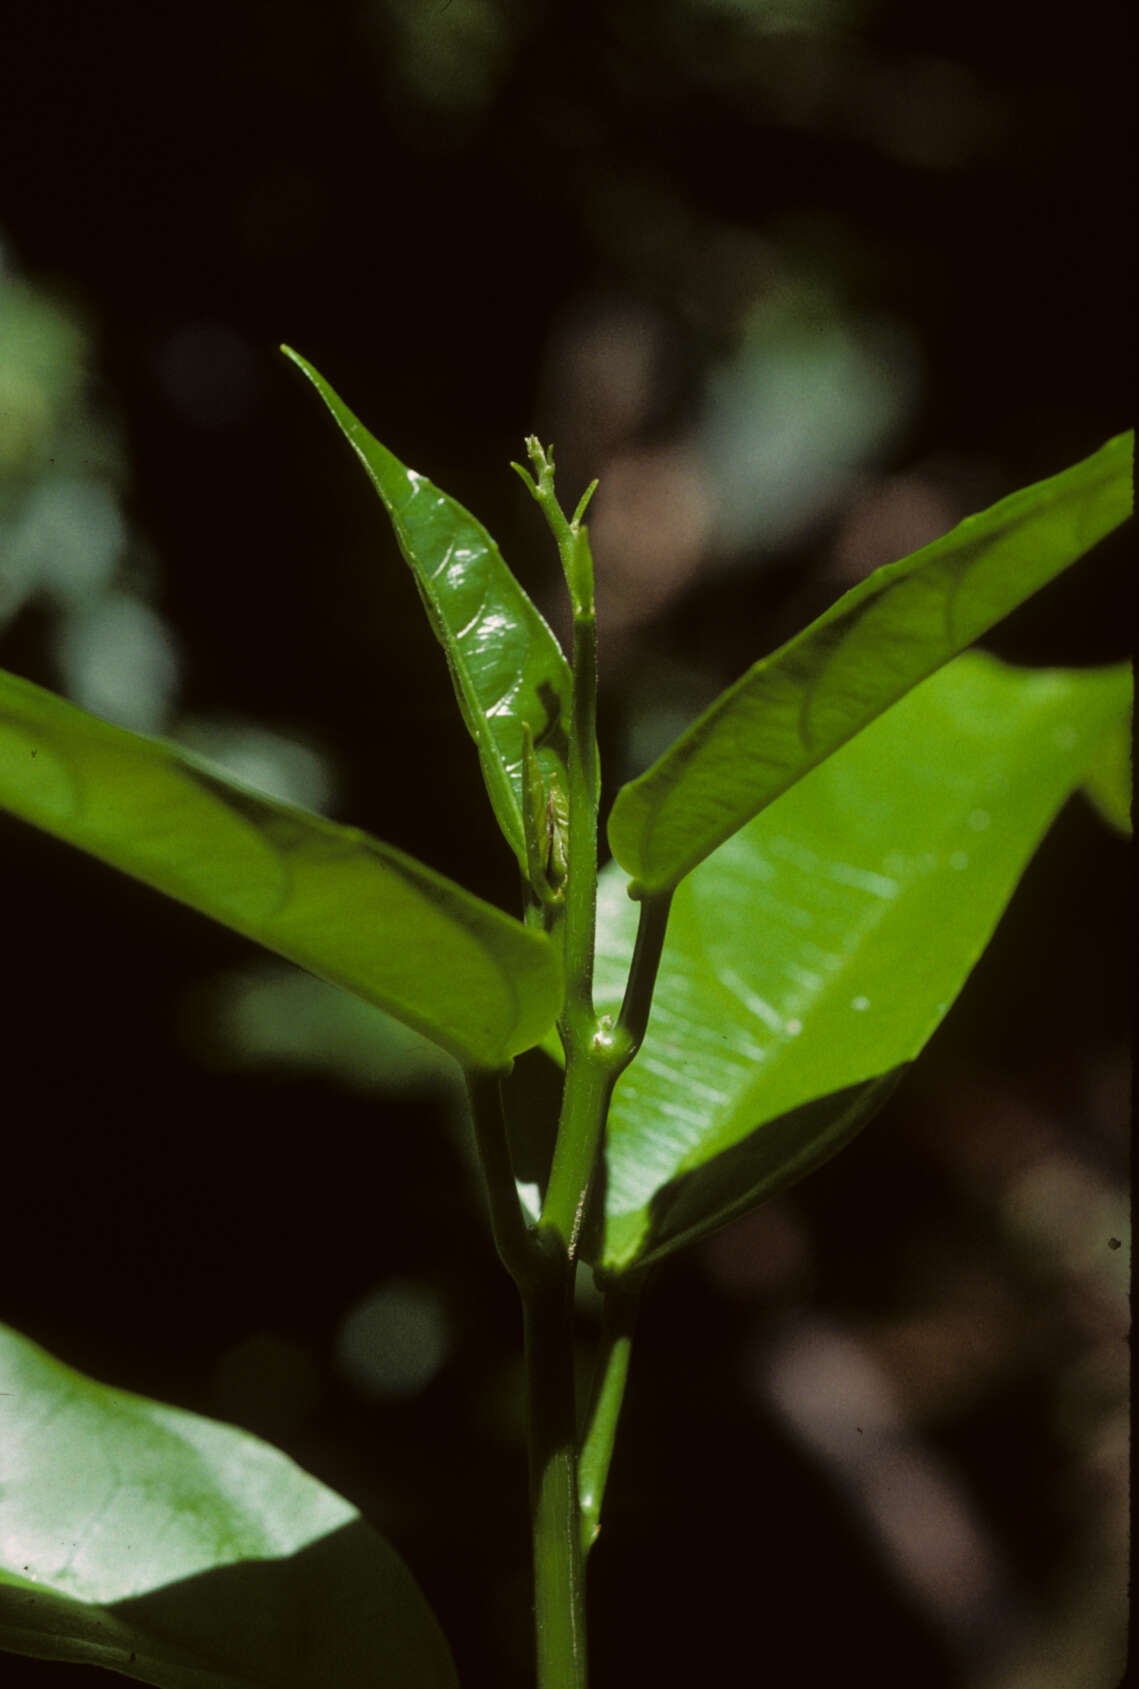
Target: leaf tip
x=294, y=357
x=525, y=477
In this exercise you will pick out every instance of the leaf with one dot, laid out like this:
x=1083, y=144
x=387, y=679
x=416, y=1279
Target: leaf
x=813, y=956
x=269, y=1014
x=506, y=665
x=188, y=1554
x=341, y=904
x=1109, y=781
x=794, y=708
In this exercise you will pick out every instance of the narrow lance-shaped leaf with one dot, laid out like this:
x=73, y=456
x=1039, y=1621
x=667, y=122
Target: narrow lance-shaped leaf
x=507, y=668
x=350, y=909
x=187, y=1554
x=811, y=958
x=795, y=707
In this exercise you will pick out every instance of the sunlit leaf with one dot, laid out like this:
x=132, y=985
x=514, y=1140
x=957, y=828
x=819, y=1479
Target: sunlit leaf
x=184, y=1553
x=506, y=665
x=797, y=706
x=350, y=909
x=810, y=959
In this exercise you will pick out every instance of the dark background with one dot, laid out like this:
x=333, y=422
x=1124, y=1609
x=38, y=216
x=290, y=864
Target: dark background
x=481, y=220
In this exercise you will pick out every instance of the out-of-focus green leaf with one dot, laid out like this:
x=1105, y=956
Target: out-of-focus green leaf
x=350, y=909
x=269, y=1014
x=506, y=665
x=797, y=706
x=1109, y=782
x=180, y=1552
x=811, y=958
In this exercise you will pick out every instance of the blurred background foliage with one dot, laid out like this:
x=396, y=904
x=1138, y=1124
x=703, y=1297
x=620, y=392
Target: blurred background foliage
x=803, y=282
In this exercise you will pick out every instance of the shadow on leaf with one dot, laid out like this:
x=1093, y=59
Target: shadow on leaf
x=344, y=1610
x=770, y=1159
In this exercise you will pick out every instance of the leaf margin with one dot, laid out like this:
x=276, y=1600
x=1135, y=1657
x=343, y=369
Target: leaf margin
x=788, y=678
x=621, y=1240
x=268, y=1514
x=264, y=831
x=503, y=773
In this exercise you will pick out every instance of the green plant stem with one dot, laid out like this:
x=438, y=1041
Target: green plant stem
x=596, y=1054
x=619, y=1317
x=589, y=1081
x=652, y=924
x=573, y=546
x=512, y=1237
x=559, y=1593
x=543, y=1269
x=559, y=1571
x=590, y=1075
x=581, y=844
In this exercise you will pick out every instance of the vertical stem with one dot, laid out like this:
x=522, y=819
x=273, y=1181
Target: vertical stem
x=581, y=844
x=596, y=1053
x=589, y=1071
x=559, y=1586
x=589, y=1081
x=559, y=1590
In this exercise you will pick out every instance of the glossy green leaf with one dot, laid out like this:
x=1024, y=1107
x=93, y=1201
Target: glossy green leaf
x=811, y=958
x=180, y=1552
x=506, y=665
x=797, y=706
x=344, y=906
